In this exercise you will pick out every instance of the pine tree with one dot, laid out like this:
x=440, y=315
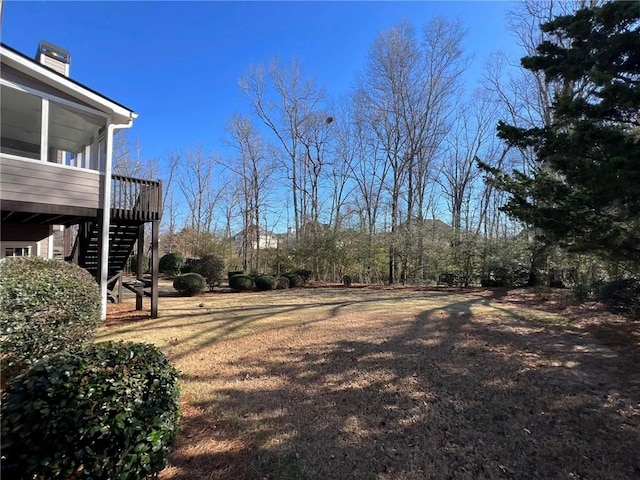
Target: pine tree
x=584, y=193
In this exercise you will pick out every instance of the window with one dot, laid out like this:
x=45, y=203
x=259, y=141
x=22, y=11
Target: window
x=17, y=251
x=102, y=154
x=20, y=123
x=71, y=131
x=93, y=156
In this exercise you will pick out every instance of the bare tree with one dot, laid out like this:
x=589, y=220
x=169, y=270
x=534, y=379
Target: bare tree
x=284, y=99
x=196, y=182
x=368, y=171
x=314, y=133
x=393, y=60
x=472, y=137
x=128, y=159
x=407, y=93
x=253, y=170
x=344, y=149
x=170, y=206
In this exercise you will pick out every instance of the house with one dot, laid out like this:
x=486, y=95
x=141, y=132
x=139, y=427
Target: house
x=254, y=238
x=56, y=144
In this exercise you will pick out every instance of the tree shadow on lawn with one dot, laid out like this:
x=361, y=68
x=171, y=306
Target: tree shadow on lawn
x=445, y=395
x=211, y=325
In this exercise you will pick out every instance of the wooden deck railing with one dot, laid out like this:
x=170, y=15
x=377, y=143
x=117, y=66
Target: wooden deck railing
x=136, y=198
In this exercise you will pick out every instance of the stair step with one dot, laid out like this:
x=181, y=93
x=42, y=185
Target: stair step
x=122, y=238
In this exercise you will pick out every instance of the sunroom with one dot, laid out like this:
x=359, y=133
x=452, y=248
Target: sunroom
x=56, y=138
x=54, y=147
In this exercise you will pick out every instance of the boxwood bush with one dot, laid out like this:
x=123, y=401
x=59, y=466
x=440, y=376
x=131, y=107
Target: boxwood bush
x=103, y=411
x=190, y=284
x=282, y=283
x=294, y=279
x=265, y=282
x=171, y=263
x=133, y=264
x=233, y=273
x=241, y=283
x=211, y=268
x=45, y=306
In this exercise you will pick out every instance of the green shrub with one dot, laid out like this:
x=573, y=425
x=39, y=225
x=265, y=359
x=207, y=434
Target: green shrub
x=234, y=272
x=211, y=268
x=294, y=279
x=241, y=283
x=103, y=411
x=582, y=292
x=505, y=273
x=171, y=263
x=347, y=280
x=133, y=264
x=305, y=275
x=190, y=284
x=462, y=279
x=622, y=296
x=282, y=283
x=586, y=291
x=45, y=306
x=191, y=265
x=265, y=282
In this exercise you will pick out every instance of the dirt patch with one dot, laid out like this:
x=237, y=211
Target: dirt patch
x=119, y=314
x=378, y=383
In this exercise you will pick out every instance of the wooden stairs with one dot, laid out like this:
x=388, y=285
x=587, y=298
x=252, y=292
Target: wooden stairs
x=135, y=203
x=122, y=239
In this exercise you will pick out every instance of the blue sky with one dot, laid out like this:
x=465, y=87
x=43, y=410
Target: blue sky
x=177, y=64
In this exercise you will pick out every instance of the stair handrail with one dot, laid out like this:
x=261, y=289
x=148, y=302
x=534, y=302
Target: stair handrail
x=111, y=284
x=74, y=247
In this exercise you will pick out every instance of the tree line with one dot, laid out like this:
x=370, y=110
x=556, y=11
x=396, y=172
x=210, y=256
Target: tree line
x=407, y=178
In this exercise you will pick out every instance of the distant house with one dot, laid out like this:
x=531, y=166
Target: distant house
x=265, y=239
x=56, y=144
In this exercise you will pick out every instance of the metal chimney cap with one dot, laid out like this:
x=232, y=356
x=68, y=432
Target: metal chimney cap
x=53, y=51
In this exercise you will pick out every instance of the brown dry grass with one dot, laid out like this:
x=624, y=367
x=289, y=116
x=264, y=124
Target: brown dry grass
x=335, y=383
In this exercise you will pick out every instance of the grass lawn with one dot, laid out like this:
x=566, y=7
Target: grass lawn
x=375, y=383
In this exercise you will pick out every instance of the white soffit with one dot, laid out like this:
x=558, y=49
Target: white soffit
x=29, y=67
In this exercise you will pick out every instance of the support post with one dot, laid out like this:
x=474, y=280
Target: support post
x=139, y=263
x=102, y=266
x=155, y=260
x=120, y=288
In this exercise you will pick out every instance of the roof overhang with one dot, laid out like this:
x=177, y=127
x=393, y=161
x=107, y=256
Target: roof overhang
x=119, y=113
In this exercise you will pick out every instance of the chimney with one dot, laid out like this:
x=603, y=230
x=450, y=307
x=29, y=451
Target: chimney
x=56, y=58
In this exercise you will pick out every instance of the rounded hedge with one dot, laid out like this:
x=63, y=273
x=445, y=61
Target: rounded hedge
x=265, y=282
x=45, y=307
x=282, y=283
x=133, y=264
x=294, y=279
x=241, y=283
x=347, y=280
x=190, y=284
x=233, y=273
x=211, y=268
x=171, y=263
x=103, y=411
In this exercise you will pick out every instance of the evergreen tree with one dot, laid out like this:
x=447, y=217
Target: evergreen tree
x=584, y=193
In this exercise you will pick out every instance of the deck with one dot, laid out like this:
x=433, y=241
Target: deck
x=35, y=192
